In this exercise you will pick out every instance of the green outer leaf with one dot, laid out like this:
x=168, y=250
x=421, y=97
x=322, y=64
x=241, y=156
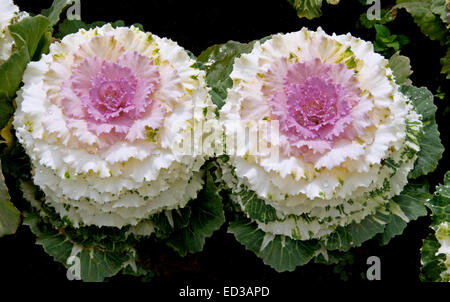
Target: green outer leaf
x=256, y=208
x=412, y=204
x=30, y=38
x=102, y=252
x=432, y=265
x=386, y=17
x=340, y=240
x=307, y=8
x=55, y=10
x=205, y=217
x=284, y=254
x=412, y=199
x=248, y=234
x=368, y=228
x=6, y=111
x=281, y=253
x=394, y=227
x=445, y=62
x=383, y=32
x=96, y=263
x=431, y=148
x=438, y=8
x=356, y=233
x=401, y=68
x=29, y=32
x=163, y=227
x=440, y=203
x=50, y=239
x=218, y=61
x=9, y=215
x=421, y=10
x=385, y=43
x=11, y=73
x=310, y=8
x=43, y=47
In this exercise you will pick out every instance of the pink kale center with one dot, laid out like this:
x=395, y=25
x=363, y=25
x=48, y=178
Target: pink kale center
x=314, y=103
x=112, y=96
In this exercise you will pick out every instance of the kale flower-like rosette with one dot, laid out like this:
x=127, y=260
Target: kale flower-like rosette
x=436, y=247
x=102, y=118
x=342, y=139
x=9, y=14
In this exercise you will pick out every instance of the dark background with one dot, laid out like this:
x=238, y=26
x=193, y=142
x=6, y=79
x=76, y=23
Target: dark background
x=196, y=25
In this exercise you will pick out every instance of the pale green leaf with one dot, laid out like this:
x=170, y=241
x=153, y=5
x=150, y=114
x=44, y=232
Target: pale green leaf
x=411, y=202
x=30, y=38
x=343, y=238
x=440, y=203
x=53, y=242
x=101, y=252
x=55, y=10
x=11, y=72
x=438, y=8
x=96, y=265
x=412, y=199
x=422, y=13
x=9, y=215
x=206, y=217
x=401, y=67
x=285, y=254
x=218, y=61
x=394, y=227
x=256, y=208
x=96, y=262
x=28, y=32
x=281, y=253
x=310, y=9
x=431, y=148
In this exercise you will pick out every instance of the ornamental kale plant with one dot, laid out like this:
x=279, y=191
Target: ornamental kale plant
x=350, y=138
x=436, y=247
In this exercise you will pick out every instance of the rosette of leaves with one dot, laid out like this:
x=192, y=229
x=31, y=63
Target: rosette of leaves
x=436, y=247
x=286, y=240
x=94, y=243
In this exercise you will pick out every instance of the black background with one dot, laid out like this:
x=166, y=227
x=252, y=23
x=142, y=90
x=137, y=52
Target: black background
x=196, y=25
